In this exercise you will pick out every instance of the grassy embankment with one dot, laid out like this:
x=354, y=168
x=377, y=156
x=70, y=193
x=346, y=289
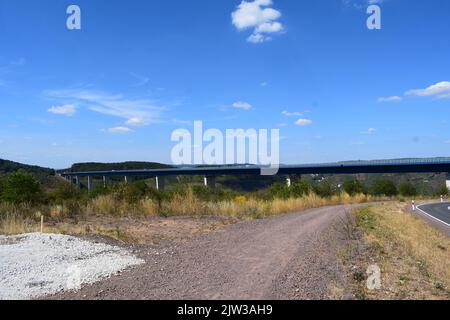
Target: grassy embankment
x=413, y=256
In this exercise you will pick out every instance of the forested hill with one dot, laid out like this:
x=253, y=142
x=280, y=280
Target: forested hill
x=45, y=175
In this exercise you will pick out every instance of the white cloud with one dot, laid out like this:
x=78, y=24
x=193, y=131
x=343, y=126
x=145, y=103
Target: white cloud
x=120, y=130
x=136, y=112
x=242, y=105
x=359, y=4
x=258, y=16
x=369, y=131
x=65, y=110
x=439, y=90
x=303, y=122
x=390, y=99
x=136, y=122
x=292, y=114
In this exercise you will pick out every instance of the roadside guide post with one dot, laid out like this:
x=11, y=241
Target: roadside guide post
x=413, y=205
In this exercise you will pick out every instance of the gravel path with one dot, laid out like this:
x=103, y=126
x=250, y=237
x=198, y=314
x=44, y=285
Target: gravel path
x=36, y=264
x=284, y=257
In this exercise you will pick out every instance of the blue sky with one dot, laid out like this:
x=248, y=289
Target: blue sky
x=137, y=70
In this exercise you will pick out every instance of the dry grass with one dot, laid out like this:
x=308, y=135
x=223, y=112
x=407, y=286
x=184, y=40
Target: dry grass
x=18, y=219
x=414, y=257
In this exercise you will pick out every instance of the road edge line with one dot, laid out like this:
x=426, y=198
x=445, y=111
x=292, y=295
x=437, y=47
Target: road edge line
x=433, y=217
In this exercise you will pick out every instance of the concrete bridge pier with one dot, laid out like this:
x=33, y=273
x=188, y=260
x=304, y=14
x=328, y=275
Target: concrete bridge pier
x=128, y=179
x=105, y=181
x=293, y=178
x=288, y=181
x=90, y=183
x=210, y=181
x=160, y=183
x=78, y=182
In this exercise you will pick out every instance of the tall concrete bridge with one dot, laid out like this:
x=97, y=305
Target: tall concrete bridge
x=434, y=165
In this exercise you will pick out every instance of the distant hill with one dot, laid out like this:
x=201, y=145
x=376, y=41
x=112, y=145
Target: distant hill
x=129, y=165
x=45, y=175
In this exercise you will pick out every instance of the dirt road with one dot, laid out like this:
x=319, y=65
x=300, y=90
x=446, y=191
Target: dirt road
x=292, y=256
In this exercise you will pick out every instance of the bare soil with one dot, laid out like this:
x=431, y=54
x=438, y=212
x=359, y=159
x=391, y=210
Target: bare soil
x=292, y=256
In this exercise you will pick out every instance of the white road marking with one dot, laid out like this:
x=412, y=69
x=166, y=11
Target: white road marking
x=429, y=215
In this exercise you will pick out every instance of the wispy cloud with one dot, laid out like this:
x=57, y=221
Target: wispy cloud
x=292, y=114
x=440, y=90
x=303, y=122
x=136, y=112
x=359, y=4
x=390, y=99
x=369, y=131
x=118, y=130
x=64, y=110
x=259, y=16
x=242, y=105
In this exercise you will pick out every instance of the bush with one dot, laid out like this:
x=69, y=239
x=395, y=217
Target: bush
x=353, y=187
x=442, y=191
x=21, y=187
x=205, y=193
x=280, y=190
x=300, y=188
x=324, y=189
x=383, y=187
x=407, y=189
x=131, y=192
x=64, y=191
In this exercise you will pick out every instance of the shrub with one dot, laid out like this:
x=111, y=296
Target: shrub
x=442, y=191
x=407, y=189
x=132, y=192
x=324, y=189
x=383, y=187
x=353, y=187
x=64, y=191
x=300, y=188
x=21, y=187
x=280, y=190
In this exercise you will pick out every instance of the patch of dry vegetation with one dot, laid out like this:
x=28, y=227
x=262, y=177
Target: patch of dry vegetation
x=413, y=256
x=24, y=218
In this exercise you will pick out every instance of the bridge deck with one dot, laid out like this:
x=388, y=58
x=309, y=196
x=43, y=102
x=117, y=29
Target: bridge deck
x=437, y=165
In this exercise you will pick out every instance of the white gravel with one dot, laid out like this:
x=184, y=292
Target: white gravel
x=36, y=264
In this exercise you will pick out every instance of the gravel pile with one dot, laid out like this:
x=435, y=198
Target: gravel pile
x=36, y=264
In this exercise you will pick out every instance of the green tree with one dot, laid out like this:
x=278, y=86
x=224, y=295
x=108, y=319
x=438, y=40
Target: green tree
x=383, y=187
x=442, y=191
x=280, y=190
x=21, y=187
x=300, y=188
x=324, y=189
x=407, y=189
x=353, y=187
x=64, y=191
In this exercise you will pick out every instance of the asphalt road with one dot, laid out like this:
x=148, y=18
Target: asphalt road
x=439, y=211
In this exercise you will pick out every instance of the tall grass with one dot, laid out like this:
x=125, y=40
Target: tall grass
x=393, y=230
